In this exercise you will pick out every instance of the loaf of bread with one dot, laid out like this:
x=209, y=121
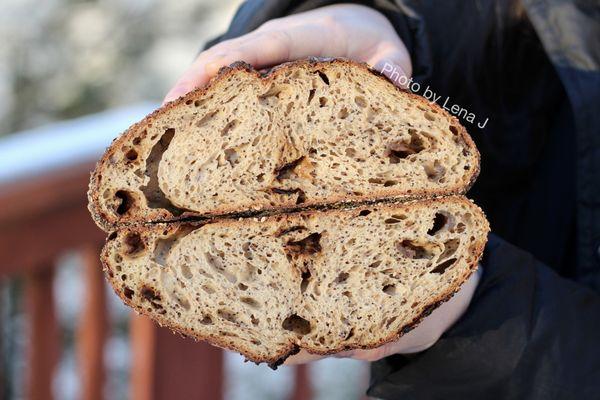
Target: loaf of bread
x=325, y=281
x=305, y=134
x=315, y=207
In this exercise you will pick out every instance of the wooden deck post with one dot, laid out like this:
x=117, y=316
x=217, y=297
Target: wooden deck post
x=92, y=328
x=302, y=388
x=167, y=366
x=43, y=348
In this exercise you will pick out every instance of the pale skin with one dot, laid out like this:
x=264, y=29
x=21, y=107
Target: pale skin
x=345, y=30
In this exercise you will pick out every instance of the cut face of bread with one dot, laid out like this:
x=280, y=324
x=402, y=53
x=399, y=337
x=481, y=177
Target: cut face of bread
x=305, y=134
x=269, y=213
x=324, y=281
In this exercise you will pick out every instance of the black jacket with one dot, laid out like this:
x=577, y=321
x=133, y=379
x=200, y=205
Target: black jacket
x=532, y=68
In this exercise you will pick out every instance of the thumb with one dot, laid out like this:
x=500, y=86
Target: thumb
x=395, y=65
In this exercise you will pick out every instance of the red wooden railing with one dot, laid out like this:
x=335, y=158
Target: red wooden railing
x=40, y=219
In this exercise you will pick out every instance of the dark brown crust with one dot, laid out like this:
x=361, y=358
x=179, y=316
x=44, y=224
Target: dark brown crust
x=292, y=349
x=110, y=222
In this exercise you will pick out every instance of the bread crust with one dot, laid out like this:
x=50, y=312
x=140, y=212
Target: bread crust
x=109, y=222
x=147, y=219
x=293, y=348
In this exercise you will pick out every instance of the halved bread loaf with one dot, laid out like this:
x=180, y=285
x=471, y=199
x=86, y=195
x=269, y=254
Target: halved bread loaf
x=307, y=133
x=324, y=281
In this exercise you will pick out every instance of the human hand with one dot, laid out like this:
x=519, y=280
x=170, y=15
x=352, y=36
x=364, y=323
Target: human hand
x=344, y=30
x=421, y=338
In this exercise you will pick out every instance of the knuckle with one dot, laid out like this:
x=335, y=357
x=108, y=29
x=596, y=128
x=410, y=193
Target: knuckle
x=270, y=24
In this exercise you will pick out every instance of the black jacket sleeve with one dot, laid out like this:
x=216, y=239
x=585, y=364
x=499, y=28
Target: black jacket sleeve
x=528, y=334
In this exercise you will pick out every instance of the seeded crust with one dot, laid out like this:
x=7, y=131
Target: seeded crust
x=327, y=270
x=126, y=160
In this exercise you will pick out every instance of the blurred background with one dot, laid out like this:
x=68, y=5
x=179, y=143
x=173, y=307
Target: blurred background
x=73, y=75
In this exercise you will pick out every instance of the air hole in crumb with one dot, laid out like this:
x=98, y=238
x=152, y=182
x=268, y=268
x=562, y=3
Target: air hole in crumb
x=364, y=213
x=248, y=249
x=131, y=155
x=152, y=191
x=410, y=249
x=460, y=227
x=309, y=245
x=287, y=170
x=272, y=92
x=350, y=334
x=185, y=271
x=360, y=101
x=250, y=302
x=323, y=77
x=429, y=116
x=434, y=170
x=227, y=315
x=305, y=281
x=375, y=264
x=439, y=222
x=322, y=101
x=311, y=95
x=133, y=243
x=399, y=150
x=152, y=296
x=442, y=267
x=229, y=127
x=285, y=231
x=295, y=323
x=389, y=289
x=390, y=321
x=208, y=289
x=128, y=292
x=343, y=113
x=342, y=277
x=231, y=156
x=241, y=286
x=126, y=202
x=392, y=220
x=301, y=195
x=450, y=247
x=206, y=118
x=206, y=320
x=454, y=129
x=112, y=236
